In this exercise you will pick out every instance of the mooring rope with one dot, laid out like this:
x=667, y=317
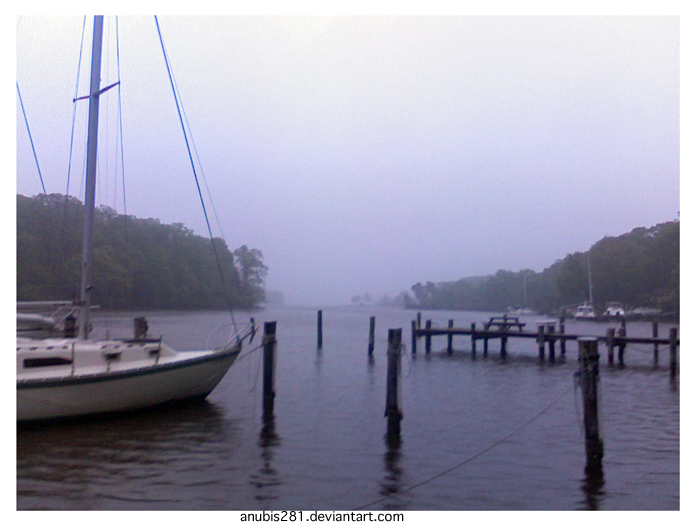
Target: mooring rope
x=471, y=458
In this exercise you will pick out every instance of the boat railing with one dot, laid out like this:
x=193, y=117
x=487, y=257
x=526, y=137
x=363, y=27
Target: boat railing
x=239, y=337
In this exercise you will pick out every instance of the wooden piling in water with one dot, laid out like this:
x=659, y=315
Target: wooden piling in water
x=370, y=346
x=450, y=324
x=655, y=334
x=610, y=341
x=588, y=357
x=414, y=338
x=393, y=409
x=622, y=333
x=269, y=361
x=673, y=351
x=550, y=331
x=540, y=341
x=319, y=329
x=473, y=340
x=562, y=341
x=428, y=342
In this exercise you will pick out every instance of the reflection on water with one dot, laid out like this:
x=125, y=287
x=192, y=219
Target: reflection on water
x=79, y=463
x=266, y=479
x=392, y=484
x=592, y=487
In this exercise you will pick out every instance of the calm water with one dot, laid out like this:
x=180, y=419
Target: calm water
x=326, y=447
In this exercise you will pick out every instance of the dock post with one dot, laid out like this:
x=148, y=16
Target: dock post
x=610, y=340
x=393, y=375
x=319, y=329
x=414, y=342
x=504, y=342
x=428, y=341
x=450, y=324
x=622, y=333
x=269, y=361
x=673, y=351
x=562, y=331
x=655, y=335
x=370, y=348
x=418, y=320
x=552, y=341
x=473, y=340
x=486, y=345
x=540, y=340
x=588, y=356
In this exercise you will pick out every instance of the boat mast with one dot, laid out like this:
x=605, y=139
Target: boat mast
x=590, y=282
x=90, y=179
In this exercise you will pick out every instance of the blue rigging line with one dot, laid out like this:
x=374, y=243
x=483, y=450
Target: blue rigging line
x=194, y=171
x=31, y=141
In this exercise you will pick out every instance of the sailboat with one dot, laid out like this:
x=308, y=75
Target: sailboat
x=69, y=376
x=585, y=311
x=524, y=309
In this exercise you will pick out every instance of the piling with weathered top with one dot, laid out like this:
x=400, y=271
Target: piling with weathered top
x=319, y=329
x=370, y=347
x=588, y=357
x=269, y=361
x=393, y=374
x=473, y=340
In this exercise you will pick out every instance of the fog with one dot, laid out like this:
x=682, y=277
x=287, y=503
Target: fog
x=365, y=154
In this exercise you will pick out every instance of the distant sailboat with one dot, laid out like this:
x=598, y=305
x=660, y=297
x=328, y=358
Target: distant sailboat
x=68, y=376
x=524, y=309
x=585, y=311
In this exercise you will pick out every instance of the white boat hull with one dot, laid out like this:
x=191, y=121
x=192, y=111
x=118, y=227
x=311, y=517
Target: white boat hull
x=74, y=395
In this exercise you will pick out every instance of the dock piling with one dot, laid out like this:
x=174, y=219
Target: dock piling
x=588, y=357
x=673, y=351
x=428, y=342
x=393, y=376
x=622, y=333
x=610, y=341
x=414, y=338
x=450, y=324
x=370, y=347
x=473, y=340
x=319, y=329
x=269, y=361
x=552, y=342
x=655, y=334
x=562, y=341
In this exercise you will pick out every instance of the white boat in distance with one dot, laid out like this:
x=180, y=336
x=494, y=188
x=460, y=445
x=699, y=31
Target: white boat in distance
x=69, y=377
x=584, y=312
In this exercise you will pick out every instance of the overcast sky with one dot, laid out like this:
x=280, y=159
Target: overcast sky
x=365, y=154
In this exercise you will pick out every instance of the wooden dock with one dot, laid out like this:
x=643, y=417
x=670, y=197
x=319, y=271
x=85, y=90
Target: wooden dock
x=547, y=335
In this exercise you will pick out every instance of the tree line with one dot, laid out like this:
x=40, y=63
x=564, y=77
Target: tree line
x=639, y=269
x=138, y=263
